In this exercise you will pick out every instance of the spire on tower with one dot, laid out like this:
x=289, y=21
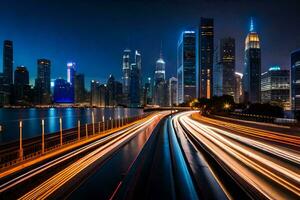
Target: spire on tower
x=251, y=25
x=160, y=53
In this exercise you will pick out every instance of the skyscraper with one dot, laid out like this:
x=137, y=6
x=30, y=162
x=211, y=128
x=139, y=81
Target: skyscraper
x=22, y=91
x=96, y=94
x=186, y=66
x=252, y=69
x=160, y=71
x=8, y=62
x=148, y=92
x=205, y=58
x=275, y=87
x=111, y=90
x=21, y=76
x=79, y=88
x=173, y=91
x=227, y=61
x=126, y=75
x=71, y=71
x=160, y=84
x=42, y=82
x=136, y=81
x=63, y=92
x=295, y=82
x=238, y=87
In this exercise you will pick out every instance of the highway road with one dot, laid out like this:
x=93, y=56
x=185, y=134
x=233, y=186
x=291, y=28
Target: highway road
x=264, y=164
x=179, y=156
x=46, y=179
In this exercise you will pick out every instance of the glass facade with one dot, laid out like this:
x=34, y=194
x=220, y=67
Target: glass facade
x=186, y=66
x=8, y=62
x=205, y=58
x=227, y=56
x=252, y=69
x=295, y=80
x=275, y=87
x=63, y=92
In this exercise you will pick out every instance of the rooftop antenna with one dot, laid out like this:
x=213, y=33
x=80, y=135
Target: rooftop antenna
x=160, y=53
x=251, y=25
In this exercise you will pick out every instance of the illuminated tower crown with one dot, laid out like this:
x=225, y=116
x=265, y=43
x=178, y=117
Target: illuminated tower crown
x=252, y=39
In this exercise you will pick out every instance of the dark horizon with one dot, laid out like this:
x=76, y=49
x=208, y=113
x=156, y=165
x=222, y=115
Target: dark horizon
x=94, y=34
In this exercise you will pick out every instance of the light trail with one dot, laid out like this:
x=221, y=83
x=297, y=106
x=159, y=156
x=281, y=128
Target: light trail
x=256, y=162
x=255, y=132
x=51, y=185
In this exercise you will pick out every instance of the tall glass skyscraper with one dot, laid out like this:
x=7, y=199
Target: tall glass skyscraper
x=275, y=87
x=71, y=70
x=252, y=69
x=238, y=87
x=126, y=75
x=186, y=66
x=63, y=92
x=160, y=84
x=8, y=62
x=136, y=81
x=43, y=82
x=79, y=88
x=160, y=71
x=205, y=58
x=295, y=81
x=227, y=56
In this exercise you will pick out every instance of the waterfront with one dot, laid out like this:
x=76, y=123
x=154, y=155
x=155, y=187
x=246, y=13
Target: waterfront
x=31, y=118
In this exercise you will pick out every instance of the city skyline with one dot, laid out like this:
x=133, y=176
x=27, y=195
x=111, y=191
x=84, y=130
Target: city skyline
x=33, y=39
x=149, y=99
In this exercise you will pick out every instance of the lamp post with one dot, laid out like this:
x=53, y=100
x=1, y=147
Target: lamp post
x=93, y=122
x=60, y=128
x=21, y=142
x=103, y=123
x=43, y=136
x=86, y=130
x=78, y=131
x=111, y=121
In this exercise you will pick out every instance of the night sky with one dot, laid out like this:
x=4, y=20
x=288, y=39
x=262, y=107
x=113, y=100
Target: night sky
x=94, y=33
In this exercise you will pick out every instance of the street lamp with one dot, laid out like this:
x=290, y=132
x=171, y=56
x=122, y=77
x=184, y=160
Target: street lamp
x=227, y=106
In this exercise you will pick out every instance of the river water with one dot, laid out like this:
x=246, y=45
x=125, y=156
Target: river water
x=31, y=118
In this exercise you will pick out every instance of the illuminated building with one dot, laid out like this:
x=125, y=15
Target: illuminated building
x=126, y=75
x=173, y=91
x=63, y=92
x=148, y=92
x=6, y=79
x=8, y=62
x=160, y=84
x=227, y=59
x=275, y=87
x=252, y=68
x=98, y=94
x=186, y=66
x=42, y=82
x=205, y=58
x=161, y=93
x=238, y=87
x=295, y=81
x=160, y=71
x=71, y=70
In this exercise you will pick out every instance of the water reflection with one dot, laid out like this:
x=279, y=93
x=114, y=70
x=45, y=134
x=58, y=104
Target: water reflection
x=9, y=119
